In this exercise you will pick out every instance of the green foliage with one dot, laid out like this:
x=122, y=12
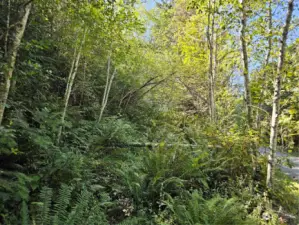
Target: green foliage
x=44, y=212
x=194, y=209
x=152, y=174
x=24, y=214
x=200, y=172
x=285, y=193
x=136, y=221
x=63, y=201
x=119, y=130
x=16, y=186
x=65, y=210
x=8, y=144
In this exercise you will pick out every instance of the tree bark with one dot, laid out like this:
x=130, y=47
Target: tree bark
x=212, y=60
x=108, y=84
x=12, y=51
x=276, y=96
x=7, y=29
x=70, y=82
x=267, y=60
x=245, y=63
x=270, y=33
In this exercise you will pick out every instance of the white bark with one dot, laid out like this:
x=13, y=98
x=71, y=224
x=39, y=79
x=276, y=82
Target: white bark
x=245, y=63
x=109, y=80
x=276, y=96
x=70, y=82
x=270, y=33
x=12, y=51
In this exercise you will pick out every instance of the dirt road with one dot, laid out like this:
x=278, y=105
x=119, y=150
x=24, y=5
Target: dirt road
x=294, y=171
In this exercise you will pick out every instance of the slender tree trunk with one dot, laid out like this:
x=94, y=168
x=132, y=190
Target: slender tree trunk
x=70, y=82
x=7, y=29
x=276, y=96
x=245, y=63
x=248, y=101
x=109, y=80
x=212, y=61
x=105, y=90
x=270, y=33
x=84, y=80
x=267, y=60
x=12, y=51
x=214, y=64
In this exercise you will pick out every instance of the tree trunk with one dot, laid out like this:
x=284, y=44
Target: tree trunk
x=7, y=29
x=245, y=63
x=108, y=84
x=5, y=82
x=276, y=96
x=212, y=58
x=267, y=60
x=70, y=82
x=270, y=33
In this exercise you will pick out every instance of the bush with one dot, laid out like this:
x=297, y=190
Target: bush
x=193, y=209
x=64, y=209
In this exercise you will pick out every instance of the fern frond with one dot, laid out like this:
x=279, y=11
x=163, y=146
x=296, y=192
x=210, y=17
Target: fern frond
x=24, y=213
x=215, y=211
x=76, y=216
x=60, y=207
x=96, y=216
x=44, y=216
x=135, y=221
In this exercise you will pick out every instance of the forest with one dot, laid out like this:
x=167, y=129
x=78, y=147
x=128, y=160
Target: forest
x=156, y=112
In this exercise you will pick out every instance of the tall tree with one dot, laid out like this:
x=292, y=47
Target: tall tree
x=211, y=36
x=267, y=60
x=12, y=50
x=248, y=100
x=7, y=27
x=70, y=81
x=276, y=96
x=109, y=80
